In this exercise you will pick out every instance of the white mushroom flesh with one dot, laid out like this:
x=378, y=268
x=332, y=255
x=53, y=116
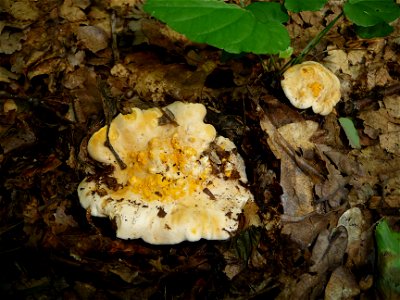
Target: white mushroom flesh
x=182, y=181
x=310, y=84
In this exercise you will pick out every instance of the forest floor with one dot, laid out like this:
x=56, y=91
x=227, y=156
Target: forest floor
x=67, y=66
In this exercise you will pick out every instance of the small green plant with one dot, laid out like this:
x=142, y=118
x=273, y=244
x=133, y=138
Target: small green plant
x=351, y=132
x=388, y=242
x=258, y=27
x=372, y=17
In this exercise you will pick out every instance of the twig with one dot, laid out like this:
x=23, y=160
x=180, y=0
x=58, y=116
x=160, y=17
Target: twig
x=311, y=45
x=109, y=113
x=114, y=44
x=303, y=164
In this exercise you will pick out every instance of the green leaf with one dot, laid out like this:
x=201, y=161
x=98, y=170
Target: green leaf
x=268, y=11
x=379, y=30
x=388, y=240
x=225, y=56
x=246, y=241
x=371, y=12
x=221, y=25
x=287, y=53
x=303, y=5
x=388, y=244
x=351, y=132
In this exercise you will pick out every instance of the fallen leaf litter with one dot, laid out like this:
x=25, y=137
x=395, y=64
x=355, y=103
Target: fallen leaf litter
x=308, y=234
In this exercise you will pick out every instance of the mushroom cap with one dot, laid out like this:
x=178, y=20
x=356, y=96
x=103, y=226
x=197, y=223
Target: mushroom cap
x=310, y=84
x=182, y=181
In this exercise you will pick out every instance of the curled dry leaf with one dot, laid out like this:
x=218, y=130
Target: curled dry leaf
x=342, y=285
x=11, y=42
x=385, y=124
x=121, y=3
x=55, y=65
x=72, y=12
x=7, y=76
x=329, y=249
x=152, y=79
x=327, y=255
x=92, y=38
x=304, y=230
x=358, y=236
x=24, y=10
x=21, y=135
x=391, y=191
x=297, y=198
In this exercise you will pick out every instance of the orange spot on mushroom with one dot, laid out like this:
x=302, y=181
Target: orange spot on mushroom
x=175, y=161
x=316, y=88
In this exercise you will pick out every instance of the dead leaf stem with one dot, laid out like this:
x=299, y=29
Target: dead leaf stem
x=304, y=165
x=114, y=45
x=109, y=112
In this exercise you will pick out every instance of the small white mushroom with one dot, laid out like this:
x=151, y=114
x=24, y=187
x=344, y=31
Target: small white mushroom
x=310, y=84
x=173, y=189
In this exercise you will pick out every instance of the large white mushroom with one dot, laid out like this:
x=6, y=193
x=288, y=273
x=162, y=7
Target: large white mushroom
x=310, y=84
x=182, y=181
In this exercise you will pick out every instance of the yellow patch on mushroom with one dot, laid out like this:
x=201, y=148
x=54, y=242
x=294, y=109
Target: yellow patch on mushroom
x=310, y=84
x=171, y=190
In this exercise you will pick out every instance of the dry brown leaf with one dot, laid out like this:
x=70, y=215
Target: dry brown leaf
x=333, y=189
x=377, y=119
x=375, y=161
x=362, y=190
x=344, y=162
x=102, y=19
x=92, y=38
x=7, y=76
x=82, y=4
x=119, y=3
x=391, y=191
x=391, y=141
x=11, y=42
x=53, y=67
x=87, y=100
x=157, y=33
x=303, y=231
x=155, y=81
x=24, y=10
x=342, y=285
x=360, y=239
x=337, y=61
x=297, y=198
x=22, y=135
x=76, y=59
x=378, y=75
x=349, y=63
x=59, y=221
x=71, y=12
x=392, y=105
x=308, y=286
x=47, y=67
x=327, y=254
x=385, y=124
x=75, y=79
x=329, y=249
